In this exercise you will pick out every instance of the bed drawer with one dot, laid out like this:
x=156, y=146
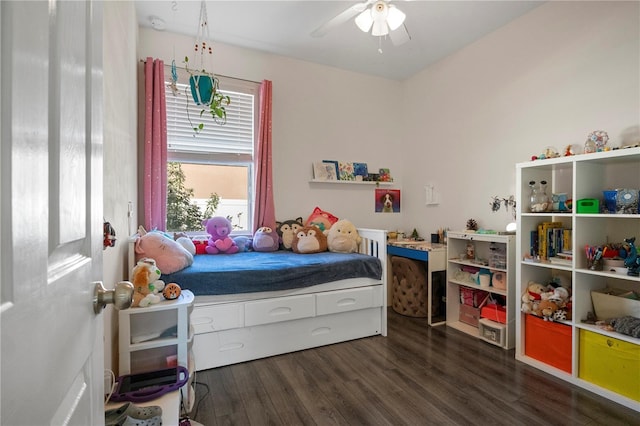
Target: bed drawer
x=208, y=318
x=348, y=300
x=279, y=309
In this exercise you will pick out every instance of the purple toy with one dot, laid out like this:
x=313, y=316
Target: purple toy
x=266, y=239
x=219, y=228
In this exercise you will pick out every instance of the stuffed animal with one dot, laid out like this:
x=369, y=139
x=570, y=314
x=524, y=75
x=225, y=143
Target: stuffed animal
x=184, y=240
x=320, y=218
x=310, y=239
x=343, y=237
x=265, y=239
x=219, y=228
x=171, y=291
x=546, y=309
x=146, y=283
x=169, y=255
x=532, y=297
x=244, y=243
x=287, y=230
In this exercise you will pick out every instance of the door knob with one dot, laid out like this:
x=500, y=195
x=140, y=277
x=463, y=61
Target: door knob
x=121, y=296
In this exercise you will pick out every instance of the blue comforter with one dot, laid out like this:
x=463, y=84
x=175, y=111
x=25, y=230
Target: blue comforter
x=249, y=272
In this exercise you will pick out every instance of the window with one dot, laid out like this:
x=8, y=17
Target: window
x=211, y=173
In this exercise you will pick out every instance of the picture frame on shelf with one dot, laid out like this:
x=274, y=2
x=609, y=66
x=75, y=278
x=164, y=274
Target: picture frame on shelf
x=346, y=171
x=360, y=169
x=334, y=165
x=324, y=171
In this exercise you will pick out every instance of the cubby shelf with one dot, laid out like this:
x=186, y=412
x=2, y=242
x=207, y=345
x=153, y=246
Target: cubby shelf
x=604, y=362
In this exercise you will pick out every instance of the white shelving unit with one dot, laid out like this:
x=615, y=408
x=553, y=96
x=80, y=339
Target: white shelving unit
x=602, y=370
x=351, y=182
x=157, y=337
x=484, y=245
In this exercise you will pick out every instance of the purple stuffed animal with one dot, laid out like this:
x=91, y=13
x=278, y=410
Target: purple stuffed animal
x=219, y=228
x=266, y=239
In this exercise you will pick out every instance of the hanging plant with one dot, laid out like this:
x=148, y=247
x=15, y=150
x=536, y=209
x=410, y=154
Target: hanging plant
x=205, y=91
x=204, y=85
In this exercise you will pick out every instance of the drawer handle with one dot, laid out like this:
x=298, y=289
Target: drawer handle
x=231, y=347
x=321, y=330
x=609, y=342
x=201, y=320
x=280, y=311
x=346, y=301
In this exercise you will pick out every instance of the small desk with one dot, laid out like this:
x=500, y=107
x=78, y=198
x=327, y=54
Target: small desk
x=435, y=256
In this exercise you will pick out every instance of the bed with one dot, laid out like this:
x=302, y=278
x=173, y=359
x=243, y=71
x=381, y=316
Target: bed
x=262, y=304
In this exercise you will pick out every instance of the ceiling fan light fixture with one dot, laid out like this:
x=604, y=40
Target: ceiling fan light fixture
x=395, y=17
x=380, y=28
x=364, y=21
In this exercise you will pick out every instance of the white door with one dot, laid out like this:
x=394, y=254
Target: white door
x=51, y=212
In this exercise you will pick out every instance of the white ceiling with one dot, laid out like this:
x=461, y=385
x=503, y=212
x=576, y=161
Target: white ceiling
x=437, y=28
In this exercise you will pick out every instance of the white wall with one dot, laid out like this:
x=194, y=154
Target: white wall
x=548, y=78
x=318, y=113
x=120, y=155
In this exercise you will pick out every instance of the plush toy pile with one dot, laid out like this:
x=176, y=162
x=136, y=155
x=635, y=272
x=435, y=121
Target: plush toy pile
x=550, y=302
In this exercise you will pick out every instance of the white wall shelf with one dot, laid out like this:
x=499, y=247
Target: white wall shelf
x=351, y=182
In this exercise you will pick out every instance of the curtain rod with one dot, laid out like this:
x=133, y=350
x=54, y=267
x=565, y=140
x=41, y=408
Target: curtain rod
x=144, y=61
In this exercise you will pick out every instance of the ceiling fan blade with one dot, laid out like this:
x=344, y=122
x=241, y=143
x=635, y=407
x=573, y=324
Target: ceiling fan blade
x=340, y=19
x=400, y=35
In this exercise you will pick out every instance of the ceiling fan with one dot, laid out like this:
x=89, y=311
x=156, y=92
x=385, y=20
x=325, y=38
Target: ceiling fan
x=377, y=16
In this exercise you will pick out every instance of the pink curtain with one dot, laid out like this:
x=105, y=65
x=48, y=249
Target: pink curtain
x=155, y=146
x=264, y=211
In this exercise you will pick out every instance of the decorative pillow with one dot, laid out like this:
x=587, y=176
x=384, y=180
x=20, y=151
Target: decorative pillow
x=321, y=219
x=287, y=230
x=309, y=239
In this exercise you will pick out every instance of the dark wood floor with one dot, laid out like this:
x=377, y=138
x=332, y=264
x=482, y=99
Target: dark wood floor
x=417, y=375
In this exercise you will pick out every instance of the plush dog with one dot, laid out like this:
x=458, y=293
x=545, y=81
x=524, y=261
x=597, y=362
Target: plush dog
x=146, y=283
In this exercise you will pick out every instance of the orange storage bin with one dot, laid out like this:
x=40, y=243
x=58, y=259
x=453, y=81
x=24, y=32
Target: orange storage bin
x=494, y=312
x=548, y=342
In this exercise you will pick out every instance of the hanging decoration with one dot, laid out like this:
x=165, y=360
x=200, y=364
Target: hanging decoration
x=204, y=85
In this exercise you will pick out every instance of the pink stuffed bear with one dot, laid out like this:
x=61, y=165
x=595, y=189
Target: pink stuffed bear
x=219, y=228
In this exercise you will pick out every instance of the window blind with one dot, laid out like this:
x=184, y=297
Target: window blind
x=228, y=143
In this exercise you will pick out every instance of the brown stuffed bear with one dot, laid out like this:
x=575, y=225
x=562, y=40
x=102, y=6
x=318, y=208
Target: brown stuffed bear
x=309, y=239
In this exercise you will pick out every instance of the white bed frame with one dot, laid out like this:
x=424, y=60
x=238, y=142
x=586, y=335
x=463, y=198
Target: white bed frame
x=235, y=328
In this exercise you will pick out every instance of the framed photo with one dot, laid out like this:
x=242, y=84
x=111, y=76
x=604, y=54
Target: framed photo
x=336, y=170
x=324, y=171
x=387, y=201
